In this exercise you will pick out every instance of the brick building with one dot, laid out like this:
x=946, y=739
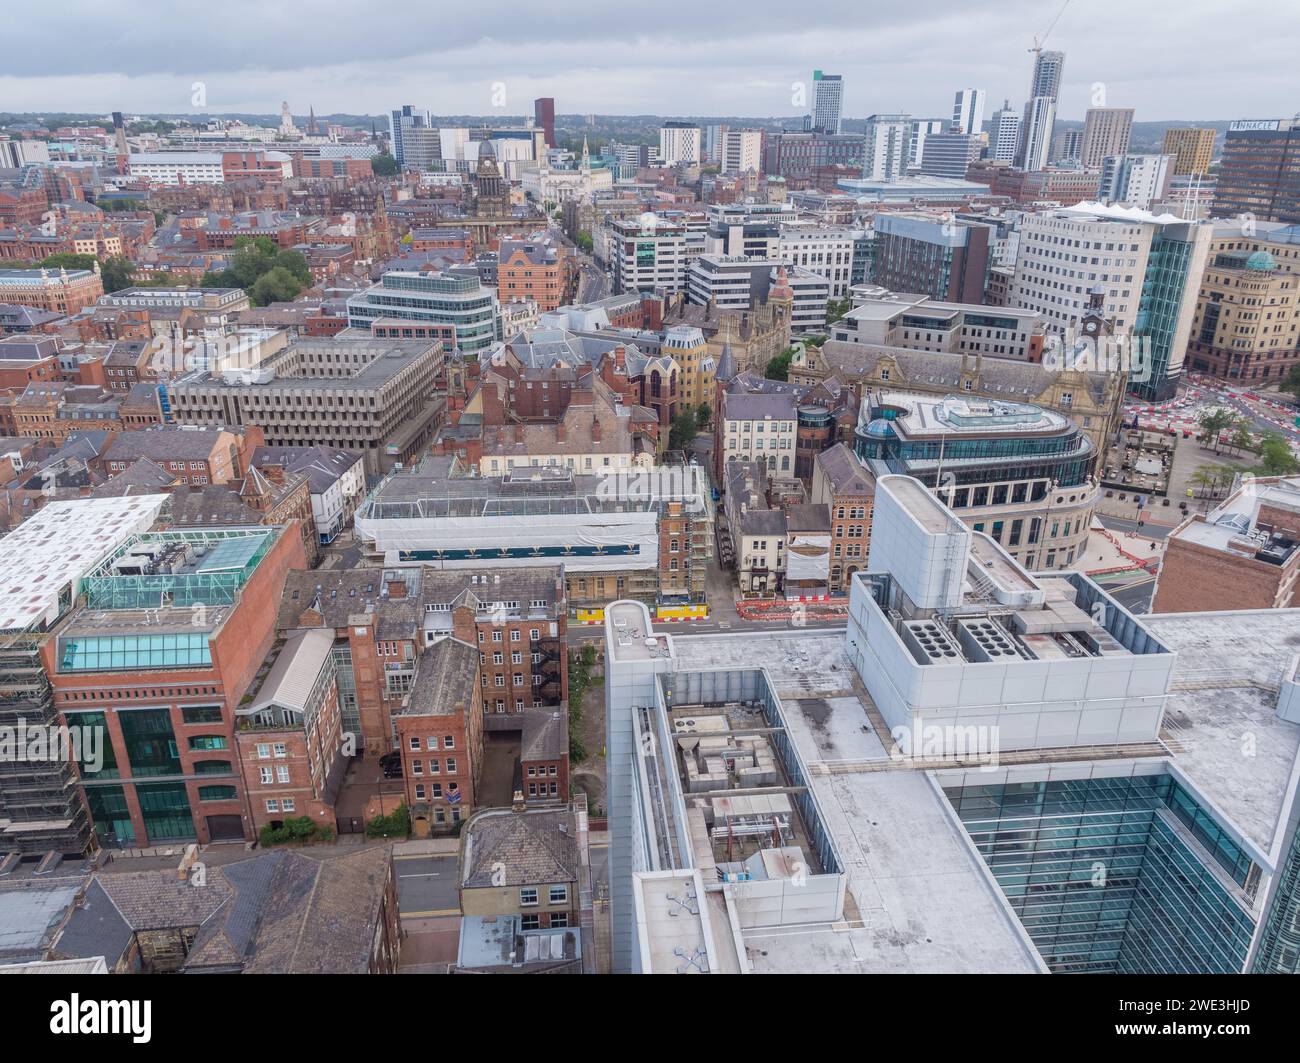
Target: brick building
x=439, y=730
x=1244, y=554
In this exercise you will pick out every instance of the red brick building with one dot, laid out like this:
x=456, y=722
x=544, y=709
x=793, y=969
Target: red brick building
x=165, y=679
x=439, y=731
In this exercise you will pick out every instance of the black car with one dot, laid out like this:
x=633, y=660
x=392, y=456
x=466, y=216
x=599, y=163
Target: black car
x=391, y=765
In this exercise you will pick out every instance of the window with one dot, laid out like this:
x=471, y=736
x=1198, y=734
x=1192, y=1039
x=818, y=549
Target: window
x=451, y=765
x=449, y=742
x=267, y=777
x=273, y=806
x=217, y=793
x=559, y=894
x=208, y=742
x=288, y=804
x=559, y=919
x=417, y=767
x=205, y=714
x=528, y=897
x=530, y=922
x=282, y=773
x=281, y=750
x=264, y=751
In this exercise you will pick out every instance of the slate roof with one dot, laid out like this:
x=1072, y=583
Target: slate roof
x=446, y=676
x=545, y=734
x=530, y=846
x=845, y=473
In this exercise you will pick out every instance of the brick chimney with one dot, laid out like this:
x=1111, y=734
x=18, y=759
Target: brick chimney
x=595, y=429
x=517, y=804
x=559, y=430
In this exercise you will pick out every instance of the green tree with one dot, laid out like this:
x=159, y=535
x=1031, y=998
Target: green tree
x=117, y=273
x=836, y=309
x=683, y=430
x=384, y=165
x=1213, y=424
x=702, y=415
x=584, y=241
x=276, y=285
x=1241, y=440
x=1292, y=382
x=1276, y=457
x=779, y=367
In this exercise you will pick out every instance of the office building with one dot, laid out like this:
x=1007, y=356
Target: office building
x=1067, y=146
x=919, y=132
x=1259, y=173
x=1243, y=554
x=680, y=143
x=821, y=249
x=893, y=319
x=647, y=254
x=1142, y=269
x=1046, y=80
x=358, y=393
x=935, y=256
x=1036, y=133
x=740, y=150
x=988, y=695
x=1106, y=131
x=968, y=111
x=1247, y=324
x=828, y=102
x=1004, y=133
x=885, y=147
x=1192, y=149
x=1020, y=474
x=605, y=527
x=453, y=297
x=950, y=154
x=173, y=631
x=544, y=117
x=400, y=121
x=1135, y=180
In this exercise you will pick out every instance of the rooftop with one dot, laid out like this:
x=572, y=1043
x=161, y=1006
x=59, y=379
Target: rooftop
x=44, y=559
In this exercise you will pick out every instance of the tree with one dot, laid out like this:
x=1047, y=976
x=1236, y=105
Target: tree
x=702, y=415
x=277, y=285
x=683, y=430
x=384, y=165
x=1276, y=456
x=779, y=367
x=584, y=241
x=1291, y=382
x=1213, y=423
x=117, y=273
x=836, y=309
x=1242, y=440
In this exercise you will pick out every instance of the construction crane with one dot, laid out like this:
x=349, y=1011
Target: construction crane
x=1040, y=41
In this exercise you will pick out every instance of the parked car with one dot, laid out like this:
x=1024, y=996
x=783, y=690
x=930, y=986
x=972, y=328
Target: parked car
x=391, y=765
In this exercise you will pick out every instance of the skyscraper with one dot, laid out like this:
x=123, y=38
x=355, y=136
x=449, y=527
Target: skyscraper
x=828, y=100
x=1260, y=170
x=1106, y=131
x=544, y=116
x=1036, y=132
x=886, y=147
x=1047, y=75
x=968, y=111
x=680, y=142
x=406, y=117
x=1004, y=133
x=1040, y=110
x=1193, y=149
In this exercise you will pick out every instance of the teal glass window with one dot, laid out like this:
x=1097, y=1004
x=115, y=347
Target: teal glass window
x=150, y=743
x=212, y=767
x=108, y=758
x=112, y=818
x=217, y=793
x=166, y=811
x=209, y=742
x=201, y=714
x=109, y=653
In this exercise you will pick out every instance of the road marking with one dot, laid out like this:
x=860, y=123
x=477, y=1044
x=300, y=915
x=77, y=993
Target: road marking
x=432, y=914
x=424, y=874
x=426, y=856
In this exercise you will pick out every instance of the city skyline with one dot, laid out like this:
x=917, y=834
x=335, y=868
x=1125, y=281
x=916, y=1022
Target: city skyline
x=911, y=58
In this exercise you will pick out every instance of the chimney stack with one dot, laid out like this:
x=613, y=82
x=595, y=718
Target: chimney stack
x=517, y=804
x=595, y=429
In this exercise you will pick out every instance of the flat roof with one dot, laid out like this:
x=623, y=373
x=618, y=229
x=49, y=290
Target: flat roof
x=59, y=545
x=1221, y=717
x=920, y=898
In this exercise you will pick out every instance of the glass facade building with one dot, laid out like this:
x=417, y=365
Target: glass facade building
x=1116, y=875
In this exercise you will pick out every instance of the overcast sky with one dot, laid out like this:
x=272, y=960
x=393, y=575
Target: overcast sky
x=1169, y=59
